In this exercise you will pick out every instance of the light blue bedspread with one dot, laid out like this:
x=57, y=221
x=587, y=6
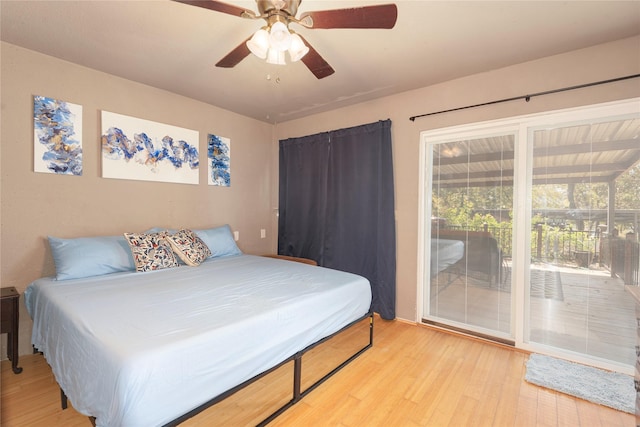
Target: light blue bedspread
x=445, y=253
x=141, y=349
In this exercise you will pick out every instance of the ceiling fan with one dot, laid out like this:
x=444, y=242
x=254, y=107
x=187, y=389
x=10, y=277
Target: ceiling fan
x=272, y=40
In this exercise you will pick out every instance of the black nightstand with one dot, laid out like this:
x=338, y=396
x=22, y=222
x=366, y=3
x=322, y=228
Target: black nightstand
x=9, y=299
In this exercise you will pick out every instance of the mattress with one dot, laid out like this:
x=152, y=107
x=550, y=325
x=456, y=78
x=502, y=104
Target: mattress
x=444, y=254
x=141, y=349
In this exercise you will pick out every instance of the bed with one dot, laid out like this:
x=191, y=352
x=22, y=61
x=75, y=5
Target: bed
x=481, y=252
x=154, y=348
x=444, y=254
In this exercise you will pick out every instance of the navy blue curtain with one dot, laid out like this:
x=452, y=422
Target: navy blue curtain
x=337, y=205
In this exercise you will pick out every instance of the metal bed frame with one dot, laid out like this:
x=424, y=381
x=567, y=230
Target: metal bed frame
x=297, y=395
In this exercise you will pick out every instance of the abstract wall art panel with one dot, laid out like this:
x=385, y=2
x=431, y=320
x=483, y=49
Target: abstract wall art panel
x=140, y=149
x=57, y=136
x=219, y=159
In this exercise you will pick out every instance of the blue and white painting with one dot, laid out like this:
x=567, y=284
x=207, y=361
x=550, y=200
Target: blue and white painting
x=219, y=158
x=57, y=136
x=141, y=149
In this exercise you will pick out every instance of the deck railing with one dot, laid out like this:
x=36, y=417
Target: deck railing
x=554, y=244
x=565, y=245
x=621, y=256
x=504, y=235
x=547, y=243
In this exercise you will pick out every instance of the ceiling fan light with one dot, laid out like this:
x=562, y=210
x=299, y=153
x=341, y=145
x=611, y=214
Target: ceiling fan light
x=297, y=49
x=259, y=43
x=276, y=57
x=279, y=38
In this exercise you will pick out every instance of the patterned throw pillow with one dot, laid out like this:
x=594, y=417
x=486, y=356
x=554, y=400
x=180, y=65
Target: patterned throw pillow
x=189, y=247
x=151, y=251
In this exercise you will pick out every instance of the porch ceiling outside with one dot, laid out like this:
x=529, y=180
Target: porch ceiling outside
x=589, y=153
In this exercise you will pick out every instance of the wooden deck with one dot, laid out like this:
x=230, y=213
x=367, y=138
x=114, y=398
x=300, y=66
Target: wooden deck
x=575, y=309
x=596, y=317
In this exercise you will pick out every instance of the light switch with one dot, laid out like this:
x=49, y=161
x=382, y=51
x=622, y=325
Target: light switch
x=263, y=233
x=236, y=235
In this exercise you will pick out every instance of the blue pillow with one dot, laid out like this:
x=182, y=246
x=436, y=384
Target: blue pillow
x=220, y=241
x=90, y=256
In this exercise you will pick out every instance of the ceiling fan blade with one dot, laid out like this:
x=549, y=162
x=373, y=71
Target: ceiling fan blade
x=219, y=6
x=235, y=56
x=377, y=16
x=316, y=63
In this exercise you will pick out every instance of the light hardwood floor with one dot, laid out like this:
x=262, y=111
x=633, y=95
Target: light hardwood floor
x=413, y=376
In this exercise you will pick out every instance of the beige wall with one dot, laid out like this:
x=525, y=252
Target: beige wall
x=34, y=205
x=598, y=63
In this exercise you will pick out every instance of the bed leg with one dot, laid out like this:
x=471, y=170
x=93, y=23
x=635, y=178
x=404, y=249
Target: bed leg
x=371, y=330
x=297, y=375
x=63, y=399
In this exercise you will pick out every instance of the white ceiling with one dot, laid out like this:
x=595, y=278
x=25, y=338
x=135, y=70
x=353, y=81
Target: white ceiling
x=174, y=46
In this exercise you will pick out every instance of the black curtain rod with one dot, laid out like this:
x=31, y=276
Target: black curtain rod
x=528, y=97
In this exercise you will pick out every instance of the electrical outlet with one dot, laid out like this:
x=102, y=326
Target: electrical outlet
x=236, y=235
x=263, y=233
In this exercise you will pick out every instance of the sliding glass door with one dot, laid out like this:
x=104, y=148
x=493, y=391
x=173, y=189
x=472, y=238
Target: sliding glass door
x=469, y=244
x=530, y=232
x=585, y=202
